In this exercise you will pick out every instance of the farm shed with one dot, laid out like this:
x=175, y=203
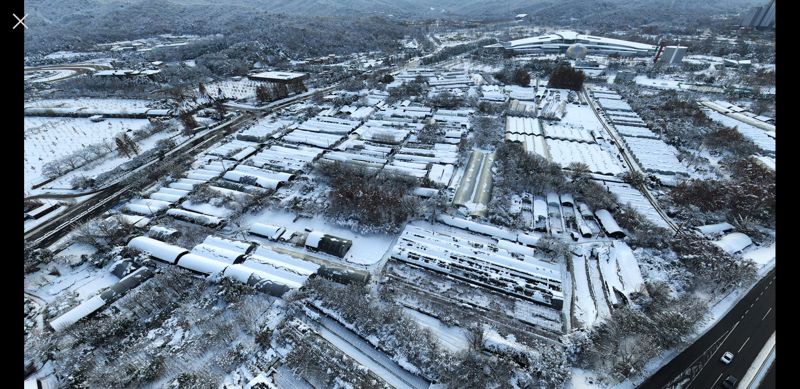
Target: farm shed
x=714, y=229
x=609, y=224
x=194, y=217
x=328, y=243
x=201, y=264
x=93, y=304
x=734, y=242
x=268, y=231
x=157, y=249
x=126, y=284
x=72, y=316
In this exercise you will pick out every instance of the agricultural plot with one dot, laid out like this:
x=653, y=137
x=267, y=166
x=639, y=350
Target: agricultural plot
x=475, y=189
x=233, y=148
x=655, y=156
x=462, y=255
x=565, y=132
x=262, y=130
x=329, y=125
x=582, y=116
x=598, y=159
x=51, y=138
x=252, y=175
x=441, y=174
x=312, y=138
x=286, y=158
x=523, y=126
x=439, y=153
x=584, y=311
x=619, y=105
x=413, y=169
x=440, y=296
x=755, y=134
x=354, y=157
x=626, y=120
x=629, y=195
x=382, y=134
x=635, y=131
x=110, y=106
x=533, y=144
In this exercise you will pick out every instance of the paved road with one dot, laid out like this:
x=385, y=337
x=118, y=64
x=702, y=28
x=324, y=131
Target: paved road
x=743, y=331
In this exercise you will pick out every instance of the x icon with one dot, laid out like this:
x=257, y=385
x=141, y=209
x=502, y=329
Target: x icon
x=20, y=21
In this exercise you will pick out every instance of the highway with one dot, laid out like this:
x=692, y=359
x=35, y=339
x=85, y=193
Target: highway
x=743, y=331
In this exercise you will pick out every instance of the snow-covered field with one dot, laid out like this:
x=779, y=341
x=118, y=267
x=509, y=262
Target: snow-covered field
x=453, y=338
x=660, y=83
x=655, y=156
x=583, y=307
x=111, y=105
x=755, y=134
x=598, y=159
x=366, y=249
x=628, y=195
x=50, y=138
x=581, y=116
x=48, y=75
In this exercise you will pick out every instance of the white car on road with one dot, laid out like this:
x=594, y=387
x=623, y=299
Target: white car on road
x=727, y=357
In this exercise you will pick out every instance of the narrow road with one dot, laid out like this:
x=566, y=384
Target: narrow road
x=743, y=332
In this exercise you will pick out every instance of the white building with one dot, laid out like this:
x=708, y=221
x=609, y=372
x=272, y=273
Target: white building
x=557, y=43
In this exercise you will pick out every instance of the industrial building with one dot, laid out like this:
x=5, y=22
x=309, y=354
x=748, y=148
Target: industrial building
x=500, y=265
x=293, y=80
x=559, y=41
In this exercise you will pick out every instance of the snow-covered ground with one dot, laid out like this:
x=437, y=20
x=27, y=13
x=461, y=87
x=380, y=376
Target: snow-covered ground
x=104, y=164
x=83, y=280
x=48, y=75
x=453, y=338
x=358, y=349
x=50, y=138
x=755, y=134
x=110, y=105
x=762, y=256
x=660, y=83
x=366, y=249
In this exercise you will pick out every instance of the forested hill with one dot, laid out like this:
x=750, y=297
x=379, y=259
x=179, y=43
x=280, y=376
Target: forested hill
x=75, y=24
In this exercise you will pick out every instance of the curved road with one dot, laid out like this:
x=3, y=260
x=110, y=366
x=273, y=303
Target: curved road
x=743, y=331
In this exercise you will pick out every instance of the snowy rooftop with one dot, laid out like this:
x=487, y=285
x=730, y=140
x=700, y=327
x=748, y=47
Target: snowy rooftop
x=279, y=76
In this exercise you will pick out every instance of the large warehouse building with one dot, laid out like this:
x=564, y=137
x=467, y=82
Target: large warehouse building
x=559, y=41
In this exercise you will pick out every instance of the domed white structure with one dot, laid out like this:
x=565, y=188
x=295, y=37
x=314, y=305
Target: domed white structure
x=558, y=42
x=577, y=51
